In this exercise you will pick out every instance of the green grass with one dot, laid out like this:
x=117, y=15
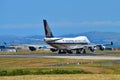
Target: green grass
x=37, y=62
x=40, y=72
x=32, y=65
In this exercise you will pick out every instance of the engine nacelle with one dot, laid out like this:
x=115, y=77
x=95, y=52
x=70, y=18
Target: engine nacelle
x=92, y=49
x=53, y=49
x=101, y=47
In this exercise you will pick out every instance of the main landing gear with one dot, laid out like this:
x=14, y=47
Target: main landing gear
x=81, y=51
x=78, y=51
x=65, y=51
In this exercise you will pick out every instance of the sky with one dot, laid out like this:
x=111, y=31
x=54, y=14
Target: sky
x=24, y=17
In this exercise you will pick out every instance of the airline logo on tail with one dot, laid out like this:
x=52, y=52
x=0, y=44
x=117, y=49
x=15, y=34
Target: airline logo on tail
x=48, y=33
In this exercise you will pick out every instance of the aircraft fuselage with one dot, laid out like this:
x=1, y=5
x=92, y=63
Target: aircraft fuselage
x=67, y=43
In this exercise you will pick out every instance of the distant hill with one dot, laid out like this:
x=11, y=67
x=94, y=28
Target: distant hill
x=99, y=37
x=94, y=37
x=12, y=39
x=35, y=37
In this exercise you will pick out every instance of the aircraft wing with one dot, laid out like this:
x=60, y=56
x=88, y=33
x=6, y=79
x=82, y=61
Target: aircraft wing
x=52, y=39
x=90, y=46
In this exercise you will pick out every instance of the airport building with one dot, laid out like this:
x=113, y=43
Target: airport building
x=7, y=49
x=28, y=47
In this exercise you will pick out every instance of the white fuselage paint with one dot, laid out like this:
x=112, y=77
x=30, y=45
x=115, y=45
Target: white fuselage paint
x=68, y=43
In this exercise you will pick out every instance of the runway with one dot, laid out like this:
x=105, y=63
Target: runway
x=86, y=57
x=69, y=56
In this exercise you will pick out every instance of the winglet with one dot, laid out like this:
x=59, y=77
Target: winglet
x=48, y=33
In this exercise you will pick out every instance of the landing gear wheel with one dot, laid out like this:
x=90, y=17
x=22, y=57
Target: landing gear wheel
x=61, y=52
x=78, y=52
x=69, y=52
x=84, y=51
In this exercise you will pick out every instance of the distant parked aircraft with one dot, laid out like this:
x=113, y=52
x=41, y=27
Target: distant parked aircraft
x=67, y=45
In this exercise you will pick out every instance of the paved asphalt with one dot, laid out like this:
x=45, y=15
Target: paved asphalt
x=70, y=56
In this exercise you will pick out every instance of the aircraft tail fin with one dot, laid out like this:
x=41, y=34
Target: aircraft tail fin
x=48, y=33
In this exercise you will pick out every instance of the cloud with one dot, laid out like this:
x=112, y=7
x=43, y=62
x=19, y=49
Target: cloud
x=19, y=26
x=88, y=23
x=102, y=23
x=63, y=24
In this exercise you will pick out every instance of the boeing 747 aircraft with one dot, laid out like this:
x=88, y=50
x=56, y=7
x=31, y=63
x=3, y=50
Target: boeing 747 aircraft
x=67, y=45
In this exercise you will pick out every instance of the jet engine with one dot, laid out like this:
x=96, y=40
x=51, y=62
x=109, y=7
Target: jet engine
x=101, y=47
x=92, y=49
x=53, y=49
